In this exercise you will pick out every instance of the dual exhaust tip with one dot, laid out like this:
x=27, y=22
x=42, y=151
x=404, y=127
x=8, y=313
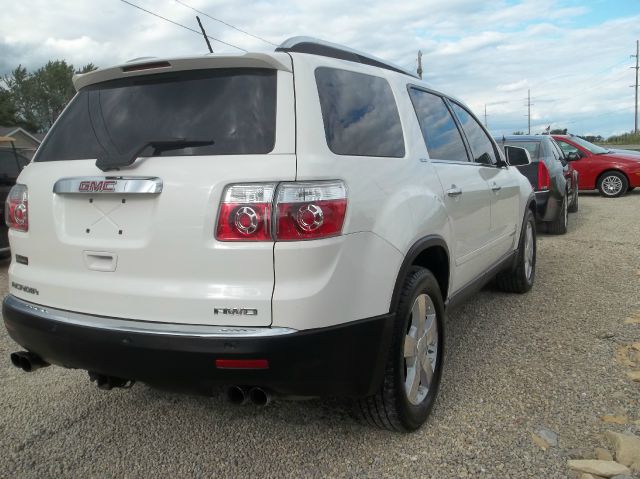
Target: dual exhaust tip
x=27, y=361
x=241, y=395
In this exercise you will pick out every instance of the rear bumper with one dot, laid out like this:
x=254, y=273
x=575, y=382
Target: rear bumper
x=343, y=360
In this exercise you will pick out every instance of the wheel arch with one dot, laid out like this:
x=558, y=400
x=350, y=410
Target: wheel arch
x=432, y=253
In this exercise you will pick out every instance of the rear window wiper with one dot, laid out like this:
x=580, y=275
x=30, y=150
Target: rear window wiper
x=109, y=162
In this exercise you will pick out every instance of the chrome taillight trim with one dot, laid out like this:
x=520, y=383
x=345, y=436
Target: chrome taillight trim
x=108, y=185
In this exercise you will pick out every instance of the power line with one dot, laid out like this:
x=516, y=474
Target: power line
x=180, y=24
x=226, y=23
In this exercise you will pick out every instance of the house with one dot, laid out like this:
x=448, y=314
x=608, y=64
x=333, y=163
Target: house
x=25, y=143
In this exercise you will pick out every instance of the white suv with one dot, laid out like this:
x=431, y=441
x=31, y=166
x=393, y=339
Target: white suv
x=293, y=223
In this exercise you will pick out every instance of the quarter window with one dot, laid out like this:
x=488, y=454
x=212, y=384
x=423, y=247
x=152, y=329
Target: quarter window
x=481, y=145
x=443, y=139
x=359, y=113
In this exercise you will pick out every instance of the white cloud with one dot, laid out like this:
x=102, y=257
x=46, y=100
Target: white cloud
x=482, y=52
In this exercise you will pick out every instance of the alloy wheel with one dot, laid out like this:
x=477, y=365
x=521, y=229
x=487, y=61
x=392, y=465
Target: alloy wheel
x=420, y=349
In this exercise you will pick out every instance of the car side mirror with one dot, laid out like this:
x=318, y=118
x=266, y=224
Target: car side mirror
x=517, y=156
x=573, y=156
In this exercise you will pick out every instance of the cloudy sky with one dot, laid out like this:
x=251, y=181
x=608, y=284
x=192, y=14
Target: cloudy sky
x=574, y=55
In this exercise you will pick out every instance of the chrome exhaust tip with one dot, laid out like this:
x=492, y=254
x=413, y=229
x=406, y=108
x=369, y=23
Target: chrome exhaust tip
x=27, y=361
x=259, y=396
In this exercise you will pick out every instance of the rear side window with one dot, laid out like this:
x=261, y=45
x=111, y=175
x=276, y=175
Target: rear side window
x=533, y=147
x=233, y=108
x=481, y=145
x=360, y=114
x=443, y=139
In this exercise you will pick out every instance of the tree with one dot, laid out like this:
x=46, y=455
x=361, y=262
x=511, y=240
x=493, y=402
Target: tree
x=518, y=133
x=558, y=131
x=40, y=97
x=7, y=109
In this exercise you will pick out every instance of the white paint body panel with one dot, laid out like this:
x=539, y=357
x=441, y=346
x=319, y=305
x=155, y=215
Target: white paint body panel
x=168, y=266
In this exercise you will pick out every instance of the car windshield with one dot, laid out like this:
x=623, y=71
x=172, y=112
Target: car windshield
x=595, y=149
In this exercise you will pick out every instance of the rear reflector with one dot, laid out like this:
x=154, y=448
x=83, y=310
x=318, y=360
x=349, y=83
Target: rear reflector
x=242, y=364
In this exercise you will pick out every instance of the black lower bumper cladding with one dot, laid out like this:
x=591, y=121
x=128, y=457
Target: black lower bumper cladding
x=344, y=360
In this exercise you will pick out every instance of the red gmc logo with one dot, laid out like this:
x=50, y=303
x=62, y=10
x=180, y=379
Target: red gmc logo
x=106, y=185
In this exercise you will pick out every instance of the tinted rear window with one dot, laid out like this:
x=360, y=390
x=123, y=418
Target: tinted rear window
x=359, y=113
x=236, y=108
x=533, y=147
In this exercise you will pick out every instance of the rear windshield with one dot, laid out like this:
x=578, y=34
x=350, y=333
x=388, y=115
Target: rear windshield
x=234, y=110
x=533, y=147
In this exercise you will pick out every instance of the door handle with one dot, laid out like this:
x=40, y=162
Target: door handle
x=454, y=191
x=496, y=187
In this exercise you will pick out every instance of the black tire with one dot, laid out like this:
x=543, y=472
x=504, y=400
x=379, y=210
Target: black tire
x=390, y=408
x=610, y=178
x=559, y=225
x=573, y=207
x=516, y=279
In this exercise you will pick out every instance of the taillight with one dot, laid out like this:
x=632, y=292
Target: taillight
x=543, y=176
x=16, y=208
x=245, y=213
x=310, y=210
x=300, y=211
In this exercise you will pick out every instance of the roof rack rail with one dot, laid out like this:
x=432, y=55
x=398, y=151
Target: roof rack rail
x=315, y=46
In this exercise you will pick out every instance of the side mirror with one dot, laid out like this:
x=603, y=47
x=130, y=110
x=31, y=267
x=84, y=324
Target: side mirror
x=573, y=156
x=517, y=156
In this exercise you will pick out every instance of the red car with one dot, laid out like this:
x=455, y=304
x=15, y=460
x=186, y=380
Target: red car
x=613, y=174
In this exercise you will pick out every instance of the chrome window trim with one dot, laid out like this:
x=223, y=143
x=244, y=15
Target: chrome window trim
x=142, y=327
x=124, y=185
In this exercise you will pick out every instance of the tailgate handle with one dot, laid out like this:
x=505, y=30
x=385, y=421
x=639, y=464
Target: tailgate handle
x=100, y=261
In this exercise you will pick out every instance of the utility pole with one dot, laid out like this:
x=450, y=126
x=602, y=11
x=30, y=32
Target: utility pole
x=529, y=109
x=637, y=57
x=419, y=71
x=485, y=116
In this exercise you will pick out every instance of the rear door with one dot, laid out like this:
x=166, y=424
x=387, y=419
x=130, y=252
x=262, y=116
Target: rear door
x=466, y=195
x=138, y=241
x=505, y=190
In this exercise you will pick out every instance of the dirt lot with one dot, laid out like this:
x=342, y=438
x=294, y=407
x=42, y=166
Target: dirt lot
x=514, y=365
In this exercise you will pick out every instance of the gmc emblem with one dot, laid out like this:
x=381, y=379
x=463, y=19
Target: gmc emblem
x=106, y=185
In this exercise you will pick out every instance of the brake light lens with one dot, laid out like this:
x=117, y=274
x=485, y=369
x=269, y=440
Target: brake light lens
x=245, y=213
x=295, y=211
x=310, y=210
x=543, y=176
x=16, y=209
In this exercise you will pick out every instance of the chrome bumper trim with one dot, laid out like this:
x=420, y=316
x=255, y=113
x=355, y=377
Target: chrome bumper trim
x=142, y=327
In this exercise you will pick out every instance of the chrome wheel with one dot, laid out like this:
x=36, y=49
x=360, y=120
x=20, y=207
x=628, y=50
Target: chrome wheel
x=566, y=210
x=420, y=349
x=528, y=251
x=611, y=185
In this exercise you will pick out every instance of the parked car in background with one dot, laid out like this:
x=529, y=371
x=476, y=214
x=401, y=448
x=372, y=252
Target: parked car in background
x=232, y=168
x=625, y=151
x=611, y=173
x=552, y=178
x=11, y=164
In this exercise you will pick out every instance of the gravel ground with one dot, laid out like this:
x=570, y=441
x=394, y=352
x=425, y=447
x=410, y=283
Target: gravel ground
x=514, y=364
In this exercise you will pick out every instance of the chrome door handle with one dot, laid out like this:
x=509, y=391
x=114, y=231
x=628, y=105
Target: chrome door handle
x=496, y=187
x=454, y=191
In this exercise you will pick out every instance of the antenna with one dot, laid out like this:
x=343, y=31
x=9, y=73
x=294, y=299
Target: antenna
x=204, y=34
